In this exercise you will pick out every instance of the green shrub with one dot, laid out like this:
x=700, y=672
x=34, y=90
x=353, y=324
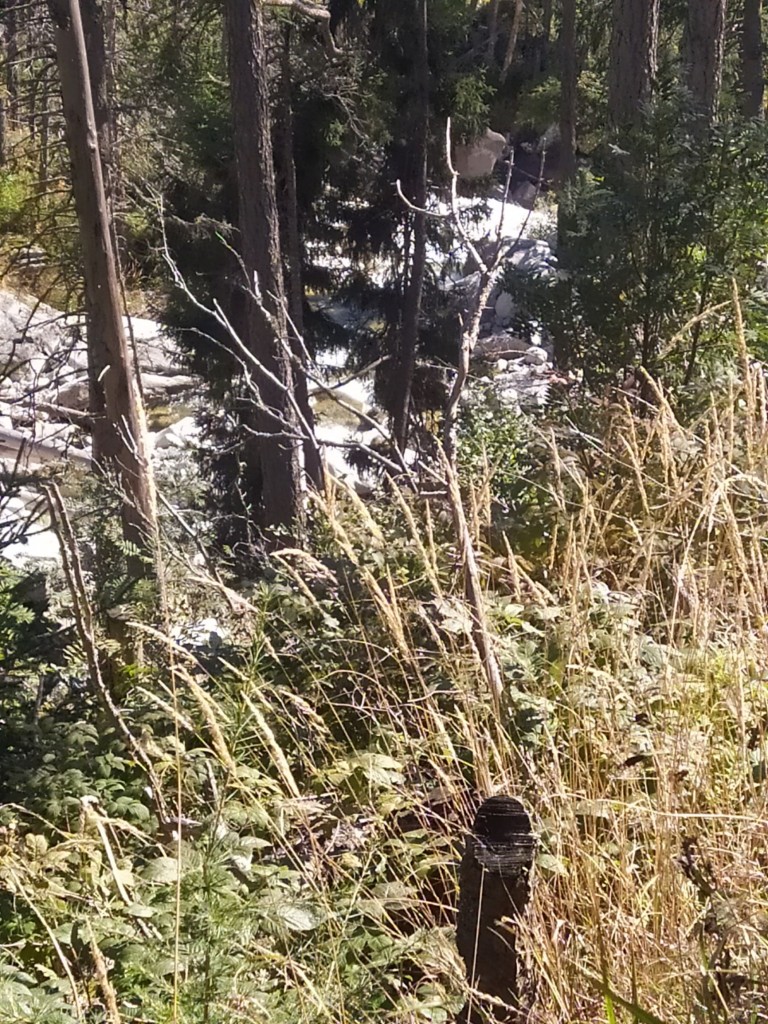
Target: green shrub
x=651, y=238
x=16, y=189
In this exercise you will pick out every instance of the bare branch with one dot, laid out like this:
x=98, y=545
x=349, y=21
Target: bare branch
x=488, y=272
x=319, y=14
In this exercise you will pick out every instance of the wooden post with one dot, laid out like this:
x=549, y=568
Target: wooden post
x=494, y=888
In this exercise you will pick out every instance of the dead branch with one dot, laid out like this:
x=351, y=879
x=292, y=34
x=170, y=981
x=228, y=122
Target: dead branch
x=314, y=13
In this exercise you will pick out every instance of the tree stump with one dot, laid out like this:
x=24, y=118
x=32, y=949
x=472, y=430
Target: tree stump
x=494, y=885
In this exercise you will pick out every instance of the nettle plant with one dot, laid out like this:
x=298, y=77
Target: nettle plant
x=651, y=239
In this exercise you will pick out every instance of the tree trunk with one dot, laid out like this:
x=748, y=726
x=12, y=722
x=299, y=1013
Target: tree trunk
x=289, y=210
x=95, y=47
x=493, y=32
x=271, y=452
x=514, y=32
x=752, y=77
x=119, y=426
x=569, y=73
x=703, y=49
x=405, y=363
x=11, y=65
x=546, y=19
x=632, y=66
x=543, y=43
x=92, y=14
x=43, y=163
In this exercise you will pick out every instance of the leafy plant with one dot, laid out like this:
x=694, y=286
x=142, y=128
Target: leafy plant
x=650, y=239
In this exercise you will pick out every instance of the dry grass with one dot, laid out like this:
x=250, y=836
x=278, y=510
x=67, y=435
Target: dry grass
x=633, y=724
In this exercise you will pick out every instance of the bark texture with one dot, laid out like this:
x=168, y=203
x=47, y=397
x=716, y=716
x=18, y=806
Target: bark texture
x=703, y=50
x=405, y=363
x=568, y=85
x=11, y=63
x=632, y=68
x=493, y=31
x=291, y=236
x=119, y=426
x=752, y=76
x=272, y=452
x=514, y=33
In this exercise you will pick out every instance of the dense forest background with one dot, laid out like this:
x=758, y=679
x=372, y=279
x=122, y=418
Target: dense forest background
x=253, y=696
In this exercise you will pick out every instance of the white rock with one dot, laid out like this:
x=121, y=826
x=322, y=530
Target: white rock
x=37, y=547
x=500, y=346
x=74, y=395
x=166, y=384
x=525, y=195
x=46, y=431
x=502, y=365
x=478, y=159
x=535, y=356
x=505, y=306
x=178, y=435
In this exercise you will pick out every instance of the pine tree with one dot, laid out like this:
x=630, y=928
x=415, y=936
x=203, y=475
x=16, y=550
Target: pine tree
x=271, y=451
x=703, y=48
x=752, y=74
x=633, y=56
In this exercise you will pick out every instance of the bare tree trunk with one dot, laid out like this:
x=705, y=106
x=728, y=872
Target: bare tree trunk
x=119, y=426
x=45, y=137
x=289, y=209
x=546, y=19
x=569, y=73
x=752, y=76
x=272, y=459
x=405, y=363
x=703, y=49
x=493, y=31
x=514, y=32
x=632, y=67
x=543, y=43
x=11, y=66
x=92, y=13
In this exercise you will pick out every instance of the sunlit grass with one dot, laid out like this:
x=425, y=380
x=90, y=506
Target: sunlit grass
x=330, y=764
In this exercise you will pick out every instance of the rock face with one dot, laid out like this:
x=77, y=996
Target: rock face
x=478, y=159
x=28, y=330
x=494, y=888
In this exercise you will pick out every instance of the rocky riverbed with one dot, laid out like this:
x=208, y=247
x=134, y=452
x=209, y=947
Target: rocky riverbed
x=44, y=385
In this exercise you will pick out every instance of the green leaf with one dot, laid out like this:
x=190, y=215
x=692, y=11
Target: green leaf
x=161, y=871
x=551, y=865
x=379, y=769
x=300, y=917
x=140, y=910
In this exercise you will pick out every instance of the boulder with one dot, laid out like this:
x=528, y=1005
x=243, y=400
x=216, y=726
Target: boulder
x=74, y=395
x=27, y=329
x=478, y=159
x=156, y=350
x=158, y=387
x=525, y=195
x=500, y=346
x=535, y=356
x=39, y=546
x=182, y=434
x=505, y=306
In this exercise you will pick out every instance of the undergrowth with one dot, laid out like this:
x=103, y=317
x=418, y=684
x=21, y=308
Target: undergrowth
x=324, y=763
